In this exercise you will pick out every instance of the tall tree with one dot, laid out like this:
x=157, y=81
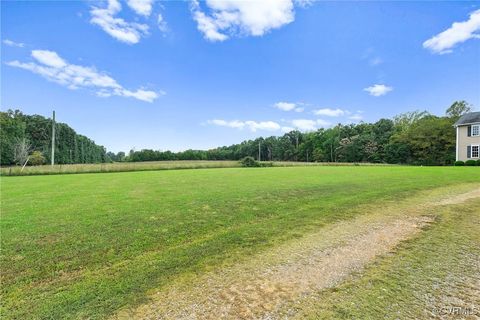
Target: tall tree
x=457, y=109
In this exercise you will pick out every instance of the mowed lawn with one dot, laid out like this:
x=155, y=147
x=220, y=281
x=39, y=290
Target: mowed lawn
x=86, y=245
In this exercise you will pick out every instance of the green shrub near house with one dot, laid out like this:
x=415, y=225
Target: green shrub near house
x=478, y=162
x=471, y=163
x=459, y=163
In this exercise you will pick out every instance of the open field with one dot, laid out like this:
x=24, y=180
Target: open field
x=152, y=165
x=113, y=244
x=115, y=167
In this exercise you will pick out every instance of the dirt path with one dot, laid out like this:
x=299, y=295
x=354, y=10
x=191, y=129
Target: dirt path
x=460, y=198
x=263, y=285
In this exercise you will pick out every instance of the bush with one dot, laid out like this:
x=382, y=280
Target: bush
x=471, y=163
x=36, y=158
x=249, y=162
x=459, y=163
x=478, y=162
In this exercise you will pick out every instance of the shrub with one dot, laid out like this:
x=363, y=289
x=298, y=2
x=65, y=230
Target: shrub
x=471, y=163
x=459, y=163
x=478, y=162
x=36, y=158
x=249, y=162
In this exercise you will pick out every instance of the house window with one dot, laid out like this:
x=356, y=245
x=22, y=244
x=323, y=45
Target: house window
x=476, y=130
x=475, y=151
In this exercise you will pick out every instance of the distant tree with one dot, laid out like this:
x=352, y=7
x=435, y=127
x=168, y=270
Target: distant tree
x=431, y=141
x=36, y=158
x=403, y=121
x=111, y=157
x=397, y=152
x=120, y=156
x=457, y=109
x=70, y=147
x=12, y=128
x=21, y=150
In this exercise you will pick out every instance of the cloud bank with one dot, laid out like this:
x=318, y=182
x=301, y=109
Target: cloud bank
x=11, y=43
x=251, y=125
x=52, y=67
x=330, y=112
x=118, y=28
x=241, y=17
x=459, y=32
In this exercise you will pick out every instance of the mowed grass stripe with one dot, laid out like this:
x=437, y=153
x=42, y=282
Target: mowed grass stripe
x=78, y=246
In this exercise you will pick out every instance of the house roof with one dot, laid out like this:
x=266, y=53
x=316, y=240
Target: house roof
x=468, y=118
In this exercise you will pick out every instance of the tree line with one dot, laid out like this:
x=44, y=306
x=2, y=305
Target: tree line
x=417, y=138
x=29, y=136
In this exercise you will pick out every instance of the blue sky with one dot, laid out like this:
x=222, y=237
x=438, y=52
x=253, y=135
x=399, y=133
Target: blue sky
x=179, y=75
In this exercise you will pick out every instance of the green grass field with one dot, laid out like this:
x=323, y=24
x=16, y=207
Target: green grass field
x=85, y=246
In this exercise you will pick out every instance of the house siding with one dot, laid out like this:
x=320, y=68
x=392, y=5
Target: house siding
x=463, y=141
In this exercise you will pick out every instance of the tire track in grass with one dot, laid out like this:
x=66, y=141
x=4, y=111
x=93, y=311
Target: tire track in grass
x=258, y=288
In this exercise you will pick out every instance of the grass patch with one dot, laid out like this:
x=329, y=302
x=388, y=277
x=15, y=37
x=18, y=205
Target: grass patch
x=84, y=246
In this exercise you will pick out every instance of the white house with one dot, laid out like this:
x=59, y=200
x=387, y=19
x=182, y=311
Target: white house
x=468, y=136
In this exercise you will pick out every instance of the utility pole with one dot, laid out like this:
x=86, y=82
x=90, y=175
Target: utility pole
x=259, y=154
x=296, y=147
x=53, y=138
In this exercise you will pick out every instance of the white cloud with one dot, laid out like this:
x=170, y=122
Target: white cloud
x=49, y=58
x=304, y=124
x=287, y=129
x=329, y=112
x=375, y=61
x=304, y=3
x=11, y=43
x=459, y=32
x=297, y=124
x=231, y=124
x=309, y=125
x=52, y=67
x=356, y=117
x=285, y=106
x=241, y=17
x=288, y=106
x=251, y=125
x=378, y=90
x=128, y=32
x=322, y=123
x=141, y=7
x=262, y=125
x=161, y=23
x=207, y=26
